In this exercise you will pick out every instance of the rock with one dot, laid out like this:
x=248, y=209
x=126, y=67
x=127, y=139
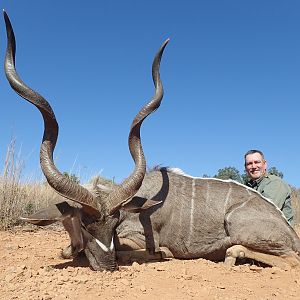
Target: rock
x=11, y=247
x=184, y=271
x=18, y=271
x=28, y=274
x=275, y=270
x=160, y=268
x=221, y=287
x=45, y=269
x=125, y=282
x=143, y=289
x=9, y=277
x=136, y=267
x=255, y=268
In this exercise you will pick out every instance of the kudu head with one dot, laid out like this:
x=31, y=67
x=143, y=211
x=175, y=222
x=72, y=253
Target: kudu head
x=91, y=216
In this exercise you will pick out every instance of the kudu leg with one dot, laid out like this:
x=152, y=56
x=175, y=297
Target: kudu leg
x=286, y=261
x=264, y=233
x=129, y=256
x=143, y=255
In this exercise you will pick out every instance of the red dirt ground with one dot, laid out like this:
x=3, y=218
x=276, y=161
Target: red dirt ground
x=31, y=268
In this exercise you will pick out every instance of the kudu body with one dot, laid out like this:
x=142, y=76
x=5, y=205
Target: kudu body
x=164, y=210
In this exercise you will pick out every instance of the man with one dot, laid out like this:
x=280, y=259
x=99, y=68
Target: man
x=270, y=186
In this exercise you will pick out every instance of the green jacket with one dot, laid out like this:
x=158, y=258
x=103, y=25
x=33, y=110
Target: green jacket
x=279, y=192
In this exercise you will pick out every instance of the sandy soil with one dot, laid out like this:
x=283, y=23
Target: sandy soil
x=31, y=268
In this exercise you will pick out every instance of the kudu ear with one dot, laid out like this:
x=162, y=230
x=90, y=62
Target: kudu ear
x=50, y=215
x=138, y=204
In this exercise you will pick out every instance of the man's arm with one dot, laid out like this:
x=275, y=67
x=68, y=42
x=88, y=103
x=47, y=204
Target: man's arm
x=276, y=191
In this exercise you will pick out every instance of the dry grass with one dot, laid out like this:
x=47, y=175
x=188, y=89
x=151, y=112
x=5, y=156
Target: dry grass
x=17, y=198
x=21, y=199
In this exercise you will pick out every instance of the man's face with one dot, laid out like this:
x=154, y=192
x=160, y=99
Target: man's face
x=255, y=166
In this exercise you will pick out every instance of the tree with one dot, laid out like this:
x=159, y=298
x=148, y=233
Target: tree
x=234, y=174
x=274, y=171
x=245, y=178
x=206, y=176
x=72, y=177
x=229, y=173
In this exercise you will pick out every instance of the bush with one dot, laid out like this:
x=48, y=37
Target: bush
x=16, y=198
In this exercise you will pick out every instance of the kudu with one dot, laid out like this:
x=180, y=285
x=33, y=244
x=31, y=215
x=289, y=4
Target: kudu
x=164, y=210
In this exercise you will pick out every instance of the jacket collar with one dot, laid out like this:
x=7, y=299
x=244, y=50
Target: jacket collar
x=255, y=183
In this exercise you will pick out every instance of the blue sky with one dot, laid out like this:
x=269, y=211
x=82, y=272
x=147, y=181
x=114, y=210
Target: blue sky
x=231, y=74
